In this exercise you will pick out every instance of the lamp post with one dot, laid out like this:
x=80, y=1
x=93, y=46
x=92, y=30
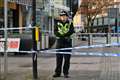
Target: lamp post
x=71, y=7
x=34, y=55
x=5, y=36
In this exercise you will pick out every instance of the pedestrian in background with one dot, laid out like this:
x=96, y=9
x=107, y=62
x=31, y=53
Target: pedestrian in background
x=63, y=30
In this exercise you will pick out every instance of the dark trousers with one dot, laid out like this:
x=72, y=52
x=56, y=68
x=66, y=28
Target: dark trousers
x=59, y=60
x=63, y=43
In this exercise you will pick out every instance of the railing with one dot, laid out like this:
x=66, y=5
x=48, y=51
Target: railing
x=100, y=38
x=2, y=43
x=106, y=59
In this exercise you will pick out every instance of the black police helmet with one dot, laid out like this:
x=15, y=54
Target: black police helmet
x=63, y=13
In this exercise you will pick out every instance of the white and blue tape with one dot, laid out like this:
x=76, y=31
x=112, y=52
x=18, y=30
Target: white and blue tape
x=85, y=53
x=85, y=47
x=53, y=51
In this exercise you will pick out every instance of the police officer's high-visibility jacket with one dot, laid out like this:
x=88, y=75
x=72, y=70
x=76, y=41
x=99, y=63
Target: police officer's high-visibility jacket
x=63, y=29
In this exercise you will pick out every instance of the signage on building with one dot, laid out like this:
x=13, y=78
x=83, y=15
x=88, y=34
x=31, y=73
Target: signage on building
x=13, y=44
x=113, y=12
x=11, y=5
x=78, y=25
x=23, y=2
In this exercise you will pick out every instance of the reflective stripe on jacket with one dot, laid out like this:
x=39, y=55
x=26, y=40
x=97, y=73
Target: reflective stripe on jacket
x=63, y=29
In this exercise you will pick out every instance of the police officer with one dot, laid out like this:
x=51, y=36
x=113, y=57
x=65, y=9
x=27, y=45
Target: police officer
x=63, y=30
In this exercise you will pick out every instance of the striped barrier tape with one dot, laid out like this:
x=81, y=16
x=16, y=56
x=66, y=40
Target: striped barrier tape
x=23, y=28
x=85, y=47
x=85, y=53
x=76, y=53
x=55, y=51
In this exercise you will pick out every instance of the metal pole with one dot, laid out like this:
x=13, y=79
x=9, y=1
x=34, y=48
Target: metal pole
x=108, y=38
x=117, y=17
x=5, y=36
x=108, y=33
x=34, y=55
x=90, y=39
x=71, y=12
x=0, y=67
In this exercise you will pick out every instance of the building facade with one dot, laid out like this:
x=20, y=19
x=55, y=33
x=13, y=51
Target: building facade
x=20, y=12
x=17, y=13
x=102, y=23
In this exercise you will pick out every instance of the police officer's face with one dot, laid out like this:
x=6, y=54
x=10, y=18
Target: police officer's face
x=63, y=17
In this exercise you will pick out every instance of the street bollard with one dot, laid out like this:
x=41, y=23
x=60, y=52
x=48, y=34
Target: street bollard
x=74, y=39
x=117, y=37
x=43, y=41
x=46, y=41
x=90, y=40
x=108, y=38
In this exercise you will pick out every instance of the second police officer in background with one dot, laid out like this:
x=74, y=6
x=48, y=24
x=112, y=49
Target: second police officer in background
x=63, y=30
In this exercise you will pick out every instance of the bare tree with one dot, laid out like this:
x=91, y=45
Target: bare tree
x=91, y=8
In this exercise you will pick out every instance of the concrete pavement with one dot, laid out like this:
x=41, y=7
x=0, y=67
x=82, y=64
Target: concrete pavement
x=82, y=68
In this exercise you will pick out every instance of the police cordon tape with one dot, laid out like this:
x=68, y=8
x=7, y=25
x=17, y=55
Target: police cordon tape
x=1, y=29
x=85, y=47
x=77, y=53
x=61, y=51
x=85, y=53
